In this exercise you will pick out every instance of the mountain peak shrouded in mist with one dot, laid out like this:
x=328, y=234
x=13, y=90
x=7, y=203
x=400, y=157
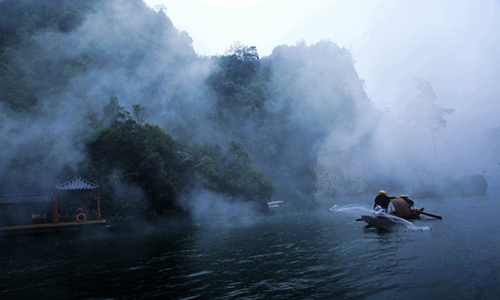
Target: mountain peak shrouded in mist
x=320, y=86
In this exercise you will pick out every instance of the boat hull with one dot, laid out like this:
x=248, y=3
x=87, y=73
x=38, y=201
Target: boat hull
x=388, y=221
x=47, y=227
x=379, y=221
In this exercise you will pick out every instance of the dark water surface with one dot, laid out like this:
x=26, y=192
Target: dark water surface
x=286, y=255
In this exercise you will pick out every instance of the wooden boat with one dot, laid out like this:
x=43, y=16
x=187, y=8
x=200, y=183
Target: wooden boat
x=380, y=221
x=274, y=204
x=401, y=210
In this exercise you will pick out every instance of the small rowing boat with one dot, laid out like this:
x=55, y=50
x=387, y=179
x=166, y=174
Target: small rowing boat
x=399, y=213
x=274, y=204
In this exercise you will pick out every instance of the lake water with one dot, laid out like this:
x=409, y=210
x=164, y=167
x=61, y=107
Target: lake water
x=283, y=255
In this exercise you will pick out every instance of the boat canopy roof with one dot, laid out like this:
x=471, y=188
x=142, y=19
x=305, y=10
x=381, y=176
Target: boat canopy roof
x=77, y=184
x=26, y=198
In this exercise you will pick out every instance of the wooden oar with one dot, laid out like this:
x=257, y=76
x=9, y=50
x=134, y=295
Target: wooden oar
x=431, y=215
x=360, y=219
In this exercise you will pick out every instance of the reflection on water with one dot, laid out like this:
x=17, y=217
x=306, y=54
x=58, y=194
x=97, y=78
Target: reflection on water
x=287, y=255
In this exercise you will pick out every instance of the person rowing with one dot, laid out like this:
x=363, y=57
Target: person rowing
x=408, y=200
x=382, y=200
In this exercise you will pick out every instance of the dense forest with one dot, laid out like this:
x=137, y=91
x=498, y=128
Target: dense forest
x=112, y=91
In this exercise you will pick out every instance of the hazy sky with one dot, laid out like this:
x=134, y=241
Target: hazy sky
x=452, y=44
x=216, y=24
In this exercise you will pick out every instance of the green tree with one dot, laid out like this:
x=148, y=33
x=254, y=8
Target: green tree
x=231, y=174
x=139, y=113
x=28, y=72
x=146, y=157
x=140, y=155
x=114, y=112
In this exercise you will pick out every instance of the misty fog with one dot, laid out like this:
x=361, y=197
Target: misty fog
x=347, y=142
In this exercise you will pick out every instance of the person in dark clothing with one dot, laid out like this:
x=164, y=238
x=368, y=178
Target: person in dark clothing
x=382, y=200
x=408, y=200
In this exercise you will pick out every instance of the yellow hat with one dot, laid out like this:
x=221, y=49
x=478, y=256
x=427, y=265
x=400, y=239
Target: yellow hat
x=403, y=196
x=382, y=192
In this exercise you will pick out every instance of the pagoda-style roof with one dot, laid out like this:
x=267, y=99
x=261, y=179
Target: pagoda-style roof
x=77, y=184
x=26, y=198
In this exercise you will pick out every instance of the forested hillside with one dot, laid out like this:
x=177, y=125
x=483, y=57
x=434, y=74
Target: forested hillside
x=112, y=91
